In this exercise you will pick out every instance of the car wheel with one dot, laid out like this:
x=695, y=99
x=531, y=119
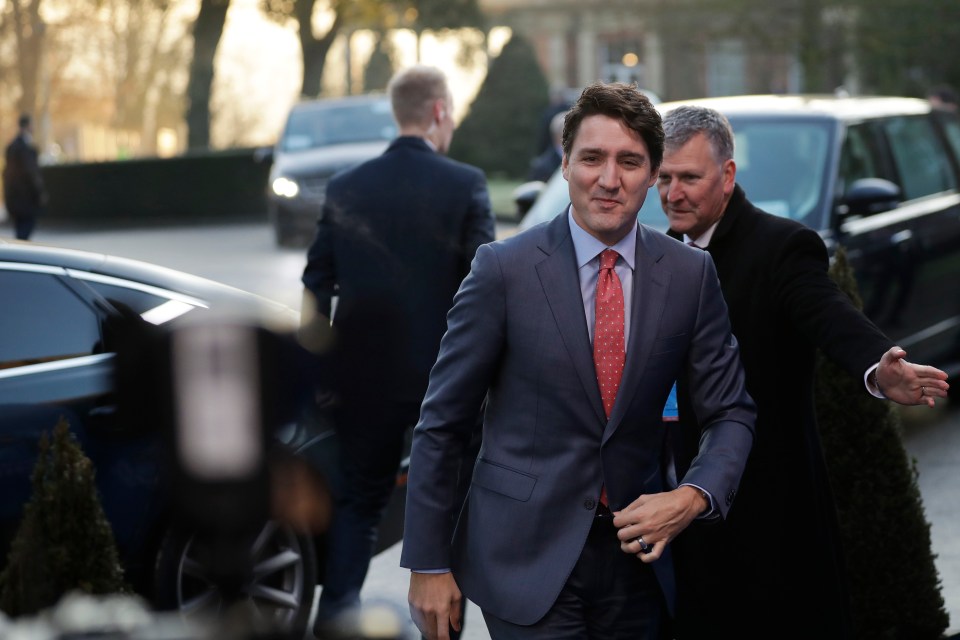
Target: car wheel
x=280, y=591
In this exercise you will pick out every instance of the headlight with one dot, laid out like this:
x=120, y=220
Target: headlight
x=285, y=187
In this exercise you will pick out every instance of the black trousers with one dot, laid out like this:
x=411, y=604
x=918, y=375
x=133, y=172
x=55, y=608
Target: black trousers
x=23, y=224
x=610, y=595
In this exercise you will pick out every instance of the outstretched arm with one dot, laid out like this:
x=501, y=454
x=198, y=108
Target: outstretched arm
x=908, y=383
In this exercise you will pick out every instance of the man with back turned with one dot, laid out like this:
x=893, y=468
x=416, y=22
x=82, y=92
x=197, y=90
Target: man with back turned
x=395, y=240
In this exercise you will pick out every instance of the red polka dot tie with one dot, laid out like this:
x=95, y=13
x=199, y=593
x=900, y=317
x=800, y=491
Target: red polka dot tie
x=608, y=342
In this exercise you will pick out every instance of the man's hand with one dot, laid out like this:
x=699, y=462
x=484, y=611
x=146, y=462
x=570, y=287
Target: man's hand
x=908, y=383
x=657, y=518
x=434, y=604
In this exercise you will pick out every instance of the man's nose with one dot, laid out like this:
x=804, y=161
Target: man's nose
x=673, y=189
x=610, y=175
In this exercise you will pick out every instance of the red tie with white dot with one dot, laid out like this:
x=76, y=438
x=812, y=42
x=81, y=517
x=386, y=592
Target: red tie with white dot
x=608, y=342
x=609, y=351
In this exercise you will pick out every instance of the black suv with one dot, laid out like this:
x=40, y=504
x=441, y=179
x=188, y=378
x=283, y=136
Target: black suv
x=320, y=138
x=877, y=175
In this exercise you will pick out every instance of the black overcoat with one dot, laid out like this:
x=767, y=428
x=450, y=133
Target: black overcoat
x=752, y=574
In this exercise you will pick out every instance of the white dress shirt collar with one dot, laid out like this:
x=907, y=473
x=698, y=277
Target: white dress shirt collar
x=704, y=240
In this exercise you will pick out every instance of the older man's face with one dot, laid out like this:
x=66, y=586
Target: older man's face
x=694, y=186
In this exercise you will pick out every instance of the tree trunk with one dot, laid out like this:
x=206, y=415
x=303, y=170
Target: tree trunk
x=314, y=49
x=29, y=30
x=207, y=31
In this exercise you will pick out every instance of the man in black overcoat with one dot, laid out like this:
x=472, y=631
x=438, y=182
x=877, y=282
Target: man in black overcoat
x=23, y=191
x=774, y=568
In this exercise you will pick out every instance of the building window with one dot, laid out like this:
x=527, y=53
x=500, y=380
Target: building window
x=621, y=60
x=726, y=68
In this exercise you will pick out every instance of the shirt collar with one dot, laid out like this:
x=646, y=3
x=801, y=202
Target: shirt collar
x=704, y=240
x=587, y=247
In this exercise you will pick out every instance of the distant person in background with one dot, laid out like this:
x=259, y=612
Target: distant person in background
x=944, y=97
x=558, y=104
x=23, y=191
x=394, y=241
x=544, y=165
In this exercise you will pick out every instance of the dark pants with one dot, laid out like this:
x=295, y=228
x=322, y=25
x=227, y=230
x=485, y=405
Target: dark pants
x=610, y=595
x=23, y=225
x=371, y=445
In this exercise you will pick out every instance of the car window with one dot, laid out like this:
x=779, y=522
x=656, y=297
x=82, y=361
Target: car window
x=319, y=126
x=781, y=164
x=43, y=320
x=132, y=299
x=921, y=160
x=952, y=128
x=859, y=157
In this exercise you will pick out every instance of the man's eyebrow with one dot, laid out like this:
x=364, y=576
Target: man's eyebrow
x=591, y=150
x=624, y=155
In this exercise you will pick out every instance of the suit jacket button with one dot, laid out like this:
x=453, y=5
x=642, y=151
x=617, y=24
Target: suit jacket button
x=589, y=504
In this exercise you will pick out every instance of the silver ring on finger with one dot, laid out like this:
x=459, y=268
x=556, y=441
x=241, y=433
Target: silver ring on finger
x=923, y=391
x=644, y=547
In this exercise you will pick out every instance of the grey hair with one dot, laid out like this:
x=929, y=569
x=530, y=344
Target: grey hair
x=413, y=92
x=684, y=122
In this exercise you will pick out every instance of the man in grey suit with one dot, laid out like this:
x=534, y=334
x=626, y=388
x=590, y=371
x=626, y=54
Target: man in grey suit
x=573, y=333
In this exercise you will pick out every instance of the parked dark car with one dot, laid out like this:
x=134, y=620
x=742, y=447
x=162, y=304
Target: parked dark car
x=320, y=138
x=877, y=175
x=57, y=359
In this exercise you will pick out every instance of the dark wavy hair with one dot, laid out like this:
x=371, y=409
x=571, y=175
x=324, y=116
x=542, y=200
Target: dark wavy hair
x=620, y=101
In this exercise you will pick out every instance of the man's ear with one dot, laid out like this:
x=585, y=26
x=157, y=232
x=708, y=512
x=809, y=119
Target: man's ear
x=729, y=176
x=654, y=176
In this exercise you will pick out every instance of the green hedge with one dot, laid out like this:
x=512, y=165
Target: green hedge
x=892, y=576
x=198, y=187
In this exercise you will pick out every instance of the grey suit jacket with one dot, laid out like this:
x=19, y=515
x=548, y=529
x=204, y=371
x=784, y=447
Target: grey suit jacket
x=517, y=336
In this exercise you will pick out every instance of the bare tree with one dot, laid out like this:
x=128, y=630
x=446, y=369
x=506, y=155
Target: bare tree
x=314, y=48
x=207, y=31
x=29, y=32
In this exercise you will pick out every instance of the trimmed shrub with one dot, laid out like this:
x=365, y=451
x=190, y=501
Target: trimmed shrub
x=893, y=582
x=64, y=541
x=501, y=131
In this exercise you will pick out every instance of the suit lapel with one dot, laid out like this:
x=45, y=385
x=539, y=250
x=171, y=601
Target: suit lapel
x=561, y=285
x=650, y=285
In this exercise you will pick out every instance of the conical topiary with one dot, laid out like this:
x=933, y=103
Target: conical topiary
x=64, y=541
x=893, y=582
x=501, y=129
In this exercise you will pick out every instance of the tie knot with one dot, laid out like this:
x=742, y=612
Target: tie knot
x=608, y=258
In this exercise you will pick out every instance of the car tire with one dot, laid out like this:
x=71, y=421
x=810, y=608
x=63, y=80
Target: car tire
x=281, y=591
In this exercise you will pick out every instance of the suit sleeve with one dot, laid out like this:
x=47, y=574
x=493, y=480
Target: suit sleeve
x=319, y=275
x=718, y=393
x=469, y=355
x=479, y=223
x=823, y=313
